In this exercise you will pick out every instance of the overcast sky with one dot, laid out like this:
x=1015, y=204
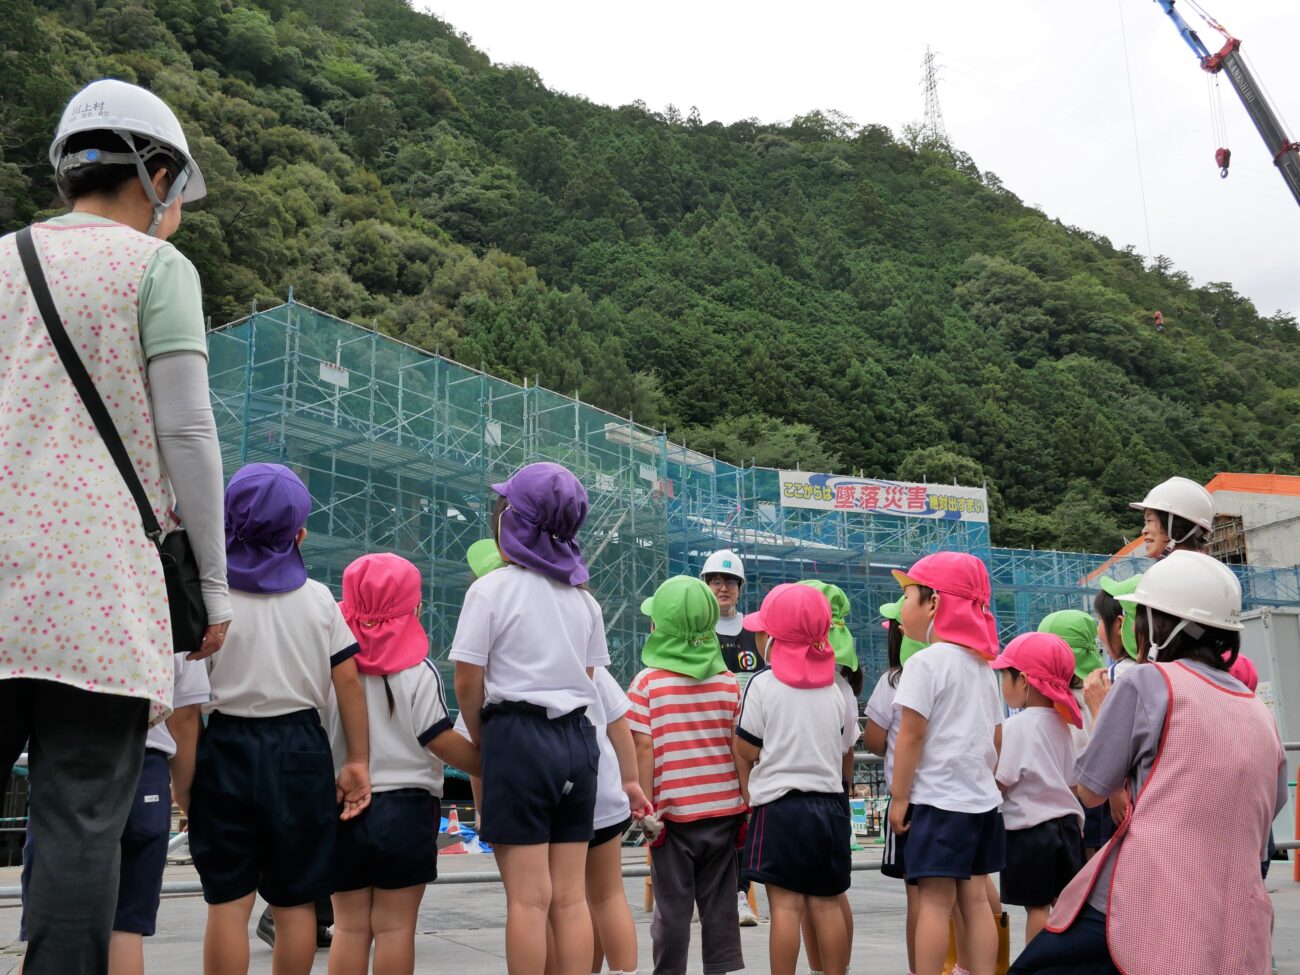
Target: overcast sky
x=1034, y=90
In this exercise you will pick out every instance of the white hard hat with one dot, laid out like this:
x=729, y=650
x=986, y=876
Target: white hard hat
x=132, y=113
x=1197, y=589
x=724, y=562
x=1183, y=497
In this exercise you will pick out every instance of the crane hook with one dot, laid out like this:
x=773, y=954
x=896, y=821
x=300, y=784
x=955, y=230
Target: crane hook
x=1224, y=158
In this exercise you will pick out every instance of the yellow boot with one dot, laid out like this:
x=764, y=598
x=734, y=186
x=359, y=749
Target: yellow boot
x=1004, y=944
x=950, y=961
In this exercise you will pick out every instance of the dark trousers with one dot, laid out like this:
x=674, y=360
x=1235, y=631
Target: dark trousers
x=85, y=752
x=1078, y=950
x=696, y=865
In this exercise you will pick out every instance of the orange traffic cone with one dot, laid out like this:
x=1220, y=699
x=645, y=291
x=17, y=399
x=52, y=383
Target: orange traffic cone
x=453, y=829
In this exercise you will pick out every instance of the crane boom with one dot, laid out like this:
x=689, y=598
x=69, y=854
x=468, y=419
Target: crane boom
x=1285, y=152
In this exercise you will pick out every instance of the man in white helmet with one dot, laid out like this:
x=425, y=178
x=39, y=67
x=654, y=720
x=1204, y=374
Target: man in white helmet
x=1178, y=514
x=86, y=650
x=724, y=572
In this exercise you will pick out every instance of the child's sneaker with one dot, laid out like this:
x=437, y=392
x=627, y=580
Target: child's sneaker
x=748, y=918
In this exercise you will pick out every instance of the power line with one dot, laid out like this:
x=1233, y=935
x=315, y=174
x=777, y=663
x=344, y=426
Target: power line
x=1137, y=143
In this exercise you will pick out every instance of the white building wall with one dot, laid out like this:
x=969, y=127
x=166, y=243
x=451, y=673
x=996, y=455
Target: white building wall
x=1272, y=524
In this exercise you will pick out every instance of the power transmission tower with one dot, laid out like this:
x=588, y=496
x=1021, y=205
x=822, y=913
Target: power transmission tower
x=933, y=133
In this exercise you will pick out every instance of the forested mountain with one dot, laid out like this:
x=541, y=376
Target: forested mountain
x=814, y=291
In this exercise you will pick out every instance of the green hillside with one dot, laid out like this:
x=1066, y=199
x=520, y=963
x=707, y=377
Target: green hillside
x=815, y=292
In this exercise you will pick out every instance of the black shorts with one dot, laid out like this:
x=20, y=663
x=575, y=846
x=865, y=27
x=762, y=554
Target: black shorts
x=800, y=842
x=941, y=843
x=392, y=844
x=539, y=775
x=606, y=833
x=1041, y=860
x=144, y=852
x=262, y=810
x=893, y=863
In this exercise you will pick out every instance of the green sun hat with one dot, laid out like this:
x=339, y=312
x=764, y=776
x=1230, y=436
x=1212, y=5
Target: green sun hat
x=910, y=647
x=1079, y=630
x=1119, y=590
x=484, y=556
x=846, y=654
x=685, y=638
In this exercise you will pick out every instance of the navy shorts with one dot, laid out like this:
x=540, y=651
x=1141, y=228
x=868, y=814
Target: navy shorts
x=1098, y=826
x=959, y=845
x=539, y=775
x=392, y=844
x=262, y=810
x=1041, y=860
x=606, y=833
x=801, y=842
x=894, y=861
x=144, y=851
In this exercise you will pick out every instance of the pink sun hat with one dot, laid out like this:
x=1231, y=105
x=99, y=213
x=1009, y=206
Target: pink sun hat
x=798, y=620
x=1245, y=671
x=963, y=616
x=1048, y=664
x=381, y=595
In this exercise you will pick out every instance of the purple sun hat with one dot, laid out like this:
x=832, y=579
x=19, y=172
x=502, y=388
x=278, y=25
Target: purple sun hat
x=547, y=506
x=266, y=505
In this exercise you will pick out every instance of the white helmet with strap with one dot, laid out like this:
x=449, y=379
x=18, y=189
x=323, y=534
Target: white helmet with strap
x=1199, y=590
x=144, y=122
x=1183, y=498
x=723, y=562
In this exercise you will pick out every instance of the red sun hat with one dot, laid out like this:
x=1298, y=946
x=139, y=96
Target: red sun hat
x=1048, y=664
x=963, y=616
x=381, y=593
x=798, y=620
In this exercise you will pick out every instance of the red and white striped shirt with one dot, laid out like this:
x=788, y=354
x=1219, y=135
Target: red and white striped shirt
x=690, y=724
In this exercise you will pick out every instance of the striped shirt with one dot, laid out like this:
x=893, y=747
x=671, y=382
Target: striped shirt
x=690, y=724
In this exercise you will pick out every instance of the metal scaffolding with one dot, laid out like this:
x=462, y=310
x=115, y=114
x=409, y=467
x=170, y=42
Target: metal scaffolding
x=399, y=447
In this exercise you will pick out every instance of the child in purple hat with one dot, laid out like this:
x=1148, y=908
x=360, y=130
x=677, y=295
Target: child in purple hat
x=526, y=644
x=265, y=801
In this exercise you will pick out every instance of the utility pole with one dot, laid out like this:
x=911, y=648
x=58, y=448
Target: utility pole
x=933, y=132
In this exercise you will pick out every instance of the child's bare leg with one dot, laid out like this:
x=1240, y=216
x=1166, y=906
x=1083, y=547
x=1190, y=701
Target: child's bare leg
x=848, y=925
x=832, y=935
x=913, y=909
x=350, y=949
x=935, y=899
x=126, y=953
x=959, y=937
x=787, y=910
x=526, y=874
x=615, y=932
x=393, y=914
x=597, y=949
x=811, y=949
x=995, y=899
x=981, y=934
x=551, y=968
x=225, y=941
x=570, y=918
x=1035, y=921
x=295, y=939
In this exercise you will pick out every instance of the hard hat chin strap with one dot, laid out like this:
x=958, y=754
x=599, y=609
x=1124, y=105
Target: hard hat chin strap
x=1153, y=651
x=1169, y=532
x=160, y=207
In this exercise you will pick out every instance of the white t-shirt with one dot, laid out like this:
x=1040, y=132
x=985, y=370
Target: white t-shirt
x=279, y=653
x=801, y=734
x=850, y=711
x=881, y=712
x=534, y=637
x=612, y=805
x=190, y=687
x=1037, y=767
x=957, y=693
x=398, y=756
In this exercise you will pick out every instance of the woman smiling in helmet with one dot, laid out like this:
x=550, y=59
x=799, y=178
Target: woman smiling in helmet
x=1161, y=731
x=1178, y=514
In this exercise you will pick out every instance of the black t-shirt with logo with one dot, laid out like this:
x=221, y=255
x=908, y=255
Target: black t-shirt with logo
x=739, y=648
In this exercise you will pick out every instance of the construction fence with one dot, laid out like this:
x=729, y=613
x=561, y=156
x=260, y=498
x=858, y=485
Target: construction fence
x=399, y=447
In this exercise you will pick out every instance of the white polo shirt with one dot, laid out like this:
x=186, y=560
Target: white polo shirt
x=279, y=653
x=612, y=805
x=801, y=734
x=1037, y=769
x=190, y=687
x=399, y=756
x=534, y=638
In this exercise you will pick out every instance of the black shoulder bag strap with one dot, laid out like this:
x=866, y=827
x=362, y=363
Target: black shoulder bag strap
x=84, y=384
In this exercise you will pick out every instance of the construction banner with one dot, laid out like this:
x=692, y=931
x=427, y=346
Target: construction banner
x=868, y=496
